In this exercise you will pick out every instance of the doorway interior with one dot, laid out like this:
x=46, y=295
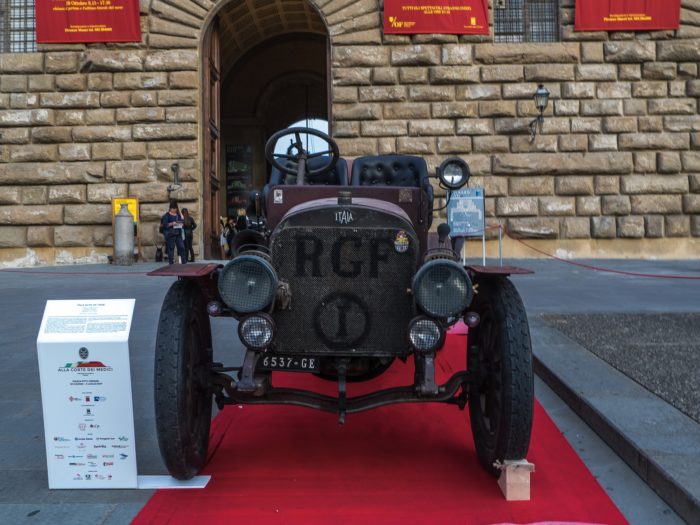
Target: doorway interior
x=266, y=67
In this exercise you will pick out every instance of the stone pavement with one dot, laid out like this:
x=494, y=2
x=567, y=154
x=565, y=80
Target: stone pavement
x=555, y=289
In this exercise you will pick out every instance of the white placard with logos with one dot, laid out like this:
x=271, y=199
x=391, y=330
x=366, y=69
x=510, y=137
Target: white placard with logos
x=83, y=348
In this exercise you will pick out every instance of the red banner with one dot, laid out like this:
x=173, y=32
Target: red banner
x=59, y=21
x=457, y=17
x=627, y=15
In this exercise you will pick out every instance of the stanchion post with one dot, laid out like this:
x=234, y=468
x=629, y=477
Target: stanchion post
x=483, y=245
x=500, y=244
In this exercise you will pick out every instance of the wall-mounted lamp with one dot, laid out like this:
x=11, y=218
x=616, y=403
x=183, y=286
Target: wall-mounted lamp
x=541, y=100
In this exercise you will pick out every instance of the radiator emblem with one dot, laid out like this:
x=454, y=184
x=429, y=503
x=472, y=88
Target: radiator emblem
x=402, y=242
x=344, y=217
x=341, y=321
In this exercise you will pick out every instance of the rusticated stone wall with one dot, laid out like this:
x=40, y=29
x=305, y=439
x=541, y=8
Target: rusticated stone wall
x=618, y=159
x=619, y=153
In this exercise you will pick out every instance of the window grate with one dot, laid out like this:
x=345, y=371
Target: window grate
x=17, y=26
x=526, y=21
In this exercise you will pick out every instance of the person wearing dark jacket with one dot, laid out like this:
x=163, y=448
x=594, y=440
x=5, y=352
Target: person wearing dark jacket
x=172, y=223
x=188, y=226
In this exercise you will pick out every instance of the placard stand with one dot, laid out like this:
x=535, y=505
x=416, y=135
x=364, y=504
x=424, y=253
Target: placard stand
x=83, y=349
x=467, y=219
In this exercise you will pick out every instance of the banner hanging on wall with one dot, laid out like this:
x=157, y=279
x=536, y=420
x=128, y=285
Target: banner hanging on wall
x=65, y=21
x=457, y=17
x=627, y=15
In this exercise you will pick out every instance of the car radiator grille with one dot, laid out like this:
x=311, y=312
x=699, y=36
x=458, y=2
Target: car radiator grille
x=350, y=289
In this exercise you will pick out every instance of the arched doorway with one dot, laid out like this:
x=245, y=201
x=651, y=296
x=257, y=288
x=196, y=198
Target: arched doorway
x=265, y=66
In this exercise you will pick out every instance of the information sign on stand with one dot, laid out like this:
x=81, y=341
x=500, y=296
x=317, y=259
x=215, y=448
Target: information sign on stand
x=83, y=354
x=465, y=215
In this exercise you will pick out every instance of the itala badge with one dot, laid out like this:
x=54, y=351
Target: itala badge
x=344, y=217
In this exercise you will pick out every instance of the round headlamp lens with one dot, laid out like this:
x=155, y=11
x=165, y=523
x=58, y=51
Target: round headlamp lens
x=454, y=173
x=256, y=331
x=442, y=288
x=247, y=284
x=425, y=335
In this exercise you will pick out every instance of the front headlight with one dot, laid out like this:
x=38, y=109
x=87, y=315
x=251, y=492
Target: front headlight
x=256, y=331
x=247, y=284
x=425, y=334
x=442, y=288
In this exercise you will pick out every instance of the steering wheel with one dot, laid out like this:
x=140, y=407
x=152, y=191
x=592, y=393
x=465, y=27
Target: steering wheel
x=298, y=155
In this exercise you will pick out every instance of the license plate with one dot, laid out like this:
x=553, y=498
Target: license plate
x=289, y=363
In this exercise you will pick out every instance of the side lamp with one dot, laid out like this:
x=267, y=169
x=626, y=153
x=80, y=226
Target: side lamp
x=541, y=100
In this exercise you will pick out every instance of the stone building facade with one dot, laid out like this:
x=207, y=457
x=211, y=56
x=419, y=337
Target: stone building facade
x=615, y=171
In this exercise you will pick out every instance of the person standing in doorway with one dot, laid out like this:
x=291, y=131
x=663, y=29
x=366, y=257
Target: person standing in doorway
x=188, y=226
x=173, y=223
x=242, y=221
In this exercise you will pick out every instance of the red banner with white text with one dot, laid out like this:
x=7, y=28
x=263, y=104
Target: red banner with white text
x=627, y=15
x=456, y=17
x=61, y=21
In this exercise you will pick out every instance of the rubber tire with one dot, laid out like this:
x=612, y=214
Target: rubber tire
x=505, y=370
x=183, y=402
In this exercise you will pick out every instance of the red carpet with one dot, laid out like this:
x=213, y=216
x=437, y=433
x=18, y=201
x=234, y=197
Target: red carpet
x=400, y=464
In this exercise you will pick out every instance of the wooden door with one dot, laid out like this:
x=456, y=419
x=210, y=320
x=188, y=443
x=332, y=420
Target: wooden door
x=212, y=129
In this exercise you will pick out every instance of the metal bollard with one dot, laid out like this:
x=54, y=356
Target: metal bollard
x=124, y=237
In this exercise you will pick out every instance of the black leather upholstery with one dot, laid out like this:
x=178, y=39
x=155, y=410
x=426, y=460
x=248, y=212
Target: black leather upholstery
x=338, y=176
x=390, y=170
x=393, y=170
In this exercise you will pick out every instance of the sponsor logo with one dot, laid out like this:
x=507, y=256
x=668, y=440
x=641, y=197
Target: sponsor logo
x=87, y=399
x=83, y=353
x=108, y=456
x=99, y=399
x=344, y=217
x=123, y=456
x=85, y=366
x=76, y=464
x=120, y=446
x=91, y=456
x=59, y=456
x=72, y=398
x=99, y=476
x=78, y=477
x=395, y=23
x=88, y=412
x=99, y=446
x=81, y=445
x=123, y=438
x=75, y=457
x=60, y=438
x=88, y=476
x=94, y=426
x=108, y=463
x=105, y=439
x=81, y=426
x=92, y=464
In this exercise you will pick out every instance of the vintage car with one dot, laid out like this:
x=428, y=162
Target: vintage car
x=345, y=278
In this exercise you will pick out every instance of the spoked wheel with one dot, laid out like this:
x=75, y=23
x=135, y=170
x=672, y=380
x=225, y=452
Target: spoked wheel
x=501, y=396
x=183, y=361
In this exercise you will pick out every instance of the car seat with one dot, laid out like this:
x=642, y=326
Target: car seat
x=393, y=170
